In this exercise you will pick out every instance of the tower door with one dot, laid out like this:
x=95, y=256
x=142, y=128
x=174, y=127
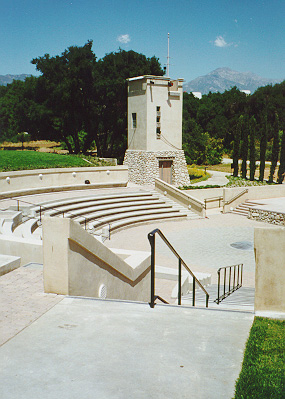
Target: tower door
x=165, y=171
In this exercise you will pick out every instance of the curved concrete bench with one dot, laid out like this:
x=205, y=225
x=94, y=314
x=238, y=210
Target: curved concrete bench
x=123, y=219
x=104, y=198
x=53, y=189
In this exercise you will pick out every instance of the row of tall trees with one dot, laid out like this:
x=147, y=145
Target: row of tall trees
x=77, y=99
x=250, y=128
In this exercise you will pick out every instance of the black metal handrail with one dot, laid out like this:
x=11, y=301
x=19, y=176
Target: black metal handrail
x=234, y=281
x=42, y=207
x=151, y=238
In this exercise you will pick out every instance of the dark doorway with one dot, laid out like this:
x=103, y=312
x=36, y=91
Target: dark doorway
x=165, y=171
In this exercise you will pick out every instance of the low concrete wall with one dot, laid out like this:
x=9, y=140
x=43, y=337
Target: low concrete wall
x=254, y=192
x=207, y=193
x=28, y=250
x=75, y=263
x=180, y=197
x=269, y=246
x=43, y=180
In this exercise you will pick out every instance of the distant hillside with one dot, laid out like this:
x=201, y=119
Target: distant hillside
x=6, y=79
x=222, y=79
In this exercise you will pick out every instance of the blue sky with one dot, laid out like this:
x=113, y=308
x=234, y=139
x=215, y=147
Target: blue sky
x=244, y=35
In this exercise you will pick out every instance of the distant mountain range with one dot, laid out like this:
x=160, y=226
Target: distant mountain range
x=222, y=79
x=6, y=79
x=219, y=80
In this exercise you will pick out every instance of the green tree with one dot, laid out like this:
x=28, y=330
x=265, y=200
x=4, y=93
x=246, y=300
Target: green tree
x=252, y=133
x=263, y=145
x=244, y=147
x=281, y=170
x=236, y=144
x=275, y=148
x=68, y=82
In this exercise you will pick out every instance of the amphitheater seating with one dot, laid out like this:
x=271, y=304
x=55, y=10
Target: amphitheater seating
x=113, y=211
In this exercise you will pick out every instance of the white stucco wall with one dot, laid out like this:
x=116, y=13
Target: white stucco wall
x=145, y=94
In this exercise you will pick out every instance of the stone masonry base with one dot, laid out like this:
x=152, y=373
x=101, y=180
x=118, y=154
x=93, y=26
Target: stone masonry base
x=143, y=166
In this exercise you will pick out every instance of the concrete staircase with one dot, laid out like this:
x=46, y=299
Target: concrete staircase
x=243, y=208
x=241, y=299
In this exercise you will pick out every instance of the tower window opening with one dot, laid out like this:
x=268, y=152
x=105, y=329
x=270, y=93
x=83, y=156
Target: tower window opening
x=134, y=120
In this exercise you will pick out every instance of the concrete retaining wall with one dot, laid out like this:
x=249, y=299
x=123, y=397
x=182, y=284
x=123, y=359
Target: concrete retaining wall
x=27, y=250
x=254, y=192
x=269, y=246
x=75, y=263
x=44, y=180
x=180, y=197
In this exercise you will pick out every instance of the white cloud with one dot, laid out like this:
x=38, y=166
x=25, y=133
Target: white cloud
x=220, y=42
x=124, y=39
x=236, y=21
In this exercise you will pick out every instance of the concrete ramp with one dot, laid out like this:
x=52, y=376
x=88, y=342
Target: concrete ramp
x=88, y=348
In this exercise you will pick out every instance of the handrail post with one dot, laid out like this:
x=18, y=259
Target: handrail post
x=225, y=274
x=238, y=276
x=193, y=296
x=241, y=274
x=18, y=206
x=151, y=238
x=179, y=281
x=40, y=213
x=230, y=279
x=219, y=277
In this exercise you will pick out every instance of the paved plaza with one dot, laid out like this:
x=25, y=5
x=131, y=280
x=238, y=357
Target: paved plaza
x=54, y=346
x=85, y=348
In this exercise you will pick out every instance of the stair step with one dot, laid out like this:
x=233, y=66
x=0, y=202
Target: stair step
x=69, y=201
x=241, y=299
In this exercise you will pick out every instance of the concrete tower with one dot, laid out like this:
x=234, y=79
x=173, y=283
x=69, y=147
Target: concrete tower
x=155, y=131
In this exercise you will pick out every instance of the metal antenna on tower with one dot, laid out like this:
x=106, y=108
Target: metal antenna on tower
x=167, y=64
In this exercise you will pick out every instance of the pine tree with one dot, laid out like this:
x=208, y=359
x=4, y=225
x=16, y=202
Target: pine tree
x=263, y=145
x=244, y=148
x=236, y=146
x=252, y=130
x=275, y=148
x=281, y=169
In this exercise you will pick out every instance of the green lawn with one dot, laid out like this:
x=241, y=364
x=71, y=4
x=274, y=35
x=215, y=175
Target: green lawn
x=20, y=160
x=263, y=370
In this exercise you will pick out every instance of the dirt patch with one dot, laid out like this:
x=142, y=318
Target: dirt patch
x=39, y=145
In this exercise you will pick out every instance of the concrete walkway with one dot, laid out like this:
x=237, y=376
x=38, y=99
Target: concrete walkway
x=86, y=348
x=217, y=178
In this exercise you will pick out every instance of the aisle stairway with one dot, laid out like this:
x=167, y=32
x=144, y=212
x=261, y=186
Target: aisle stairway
x=243, y=209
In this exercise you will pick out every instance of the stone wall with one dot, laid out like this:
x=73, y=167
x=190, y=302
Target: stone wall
x=144, y=166
x=267, y=216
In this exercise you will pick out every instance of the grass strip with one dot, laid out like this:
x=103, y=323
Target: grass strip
x=28, y=160
x=263, y=368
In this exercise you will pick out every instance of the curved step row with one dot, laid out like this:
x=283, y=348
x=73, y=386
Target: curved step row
x=111, y=211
